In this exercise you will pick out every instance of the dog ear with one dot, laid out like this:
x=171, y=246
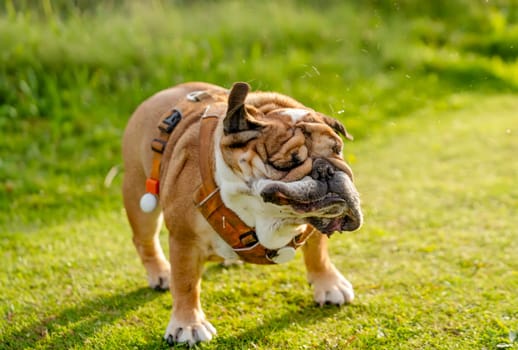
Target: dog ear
x=237, y=118
x=338, y=127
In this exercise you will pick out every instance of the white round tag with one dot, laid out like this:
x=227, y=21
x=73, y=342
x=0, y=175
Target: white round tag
x=148, y=202
x=284, y=255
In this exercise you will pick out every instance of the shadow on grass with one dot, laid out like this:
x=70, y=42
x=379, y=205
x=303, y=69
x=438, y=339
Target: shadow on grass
x=266, y=332
x=72, y=327
x=263, y=333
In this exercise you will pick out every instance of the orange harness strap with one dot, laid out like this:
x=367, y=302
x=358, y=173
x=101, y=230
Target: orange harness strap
x=167, y=124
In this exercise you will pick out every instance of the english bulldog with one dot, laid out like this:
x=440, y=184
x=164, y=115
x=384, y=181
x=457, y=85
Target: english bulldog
x=235, y=175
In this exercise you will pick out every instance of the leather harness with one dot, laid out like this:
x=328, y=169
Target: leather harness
x=242, y=238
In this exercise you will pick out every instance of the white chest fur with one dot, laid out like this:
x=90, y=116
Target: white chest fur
x=274, y=226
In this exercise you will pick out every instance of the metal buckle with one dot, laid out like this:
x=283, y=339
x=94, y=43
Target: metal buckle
x=281, y=255
x=297, y=242
x=158, y=145
x=197, y=96
x=168, y=124
x=248, y=239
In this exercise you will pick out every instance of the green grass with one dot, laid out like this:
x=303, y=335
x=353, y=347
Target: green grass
x=428, y=90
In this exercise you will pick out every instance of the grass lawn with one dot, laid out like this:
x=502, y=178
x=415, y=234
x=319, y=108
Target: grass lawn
x=430, y=94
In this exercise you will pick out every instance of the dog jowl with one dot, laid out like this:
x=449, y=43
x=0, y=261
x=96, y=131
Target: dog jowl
x=235, y=175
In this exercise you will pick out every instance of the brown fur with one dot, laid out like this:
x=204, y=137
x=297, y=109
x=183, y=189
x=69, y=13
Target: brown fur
x=190, y=237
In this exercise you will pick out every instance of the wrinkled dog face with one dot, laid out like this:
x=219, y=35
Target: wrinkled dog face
x=293, y=158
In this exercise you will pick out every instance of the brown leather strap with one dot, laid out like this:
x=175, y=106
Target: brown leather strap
x=207, y=198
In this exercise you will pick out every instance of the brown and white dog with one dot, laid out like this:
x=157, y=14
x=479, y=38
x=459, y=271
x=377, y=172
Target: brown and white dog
x=236, y=175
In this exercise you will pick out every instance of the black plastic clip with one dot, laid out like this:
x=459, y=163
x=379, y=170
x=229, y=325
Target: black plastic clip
x=168, y=124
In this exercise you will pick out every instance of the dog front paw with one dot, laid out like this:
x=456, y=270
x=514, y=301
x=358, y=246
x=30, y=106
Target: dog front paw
x=331, y=287
x=190, y=333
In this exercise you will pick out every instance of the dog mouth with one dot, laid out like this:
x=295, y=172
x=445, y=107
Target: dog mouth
x=334, y=214
x=327, y=199
x=343, y=223
x=329, y=205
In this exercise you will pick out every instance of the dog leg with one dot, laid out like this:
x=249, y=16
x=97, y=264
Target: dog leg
x=188, y=323
x=146, y=229
x=330, y=287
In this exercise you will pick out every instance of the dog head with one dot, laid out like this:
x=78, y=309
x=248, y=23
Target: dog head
x=291, y=157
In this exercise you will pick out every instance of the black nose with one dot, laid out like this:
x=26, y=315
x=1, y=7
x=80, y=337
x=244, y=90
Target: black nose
x=322, y=170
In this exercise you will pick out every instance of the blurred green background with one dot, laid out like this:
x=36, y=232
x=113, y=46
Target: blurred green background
x=71, y=73
x=428, y=89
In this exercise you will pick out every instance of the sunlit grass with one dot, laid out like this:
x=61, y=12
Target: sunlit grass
x=426, y=91
x=433, y=266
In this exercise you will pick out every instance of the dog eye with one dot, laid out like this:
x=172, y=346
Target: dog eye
x=289, y=162
x=238, y=145
x=295, y=159
x=282, y=166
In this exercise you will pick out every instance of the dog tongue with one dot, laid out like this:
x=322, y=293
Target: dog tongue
x=335, y=225
x=327, y=226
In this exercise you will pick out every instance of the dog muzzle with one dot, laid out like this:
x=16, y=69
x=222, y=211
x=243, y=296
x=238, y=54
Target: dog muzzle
x=327, y=198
